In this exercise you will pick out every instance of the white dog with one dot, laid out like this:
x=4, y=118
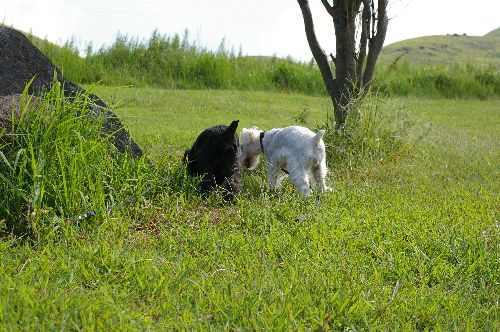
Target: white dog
x=295, y=151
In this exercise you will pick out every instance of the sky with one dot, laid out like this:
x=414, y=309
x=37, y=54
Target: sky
x=259, y=27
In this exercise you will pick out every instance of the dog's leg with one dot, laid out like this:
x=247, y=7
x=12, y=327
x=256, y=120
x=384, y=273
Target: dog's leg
x=301, y=182
x=208, y=183
x=299, y=178
x=319, y=174
x=280, y=177
x=273, y=176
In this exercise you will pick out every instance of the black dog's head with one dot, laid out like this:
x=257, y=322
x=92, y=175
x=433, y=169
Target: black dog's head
x=225, y=141
x=215, y=156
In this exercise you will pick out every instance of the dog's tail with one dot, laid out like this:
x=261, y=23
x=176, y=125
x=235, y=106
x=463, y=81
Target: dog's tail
x=317, y=138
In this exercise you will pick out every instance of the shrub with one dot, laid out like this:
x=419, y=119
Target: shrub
x=373, y=131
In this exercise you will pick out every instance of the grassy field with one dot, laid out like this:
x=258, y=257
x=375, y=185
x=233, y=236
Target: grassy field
x=168, y=121
x=406, y=243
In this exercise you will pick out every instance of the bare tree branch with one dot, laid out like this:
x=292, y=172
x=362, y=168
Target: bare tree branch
x=374, y=18
x=318, y=53
x=344, y=43
x=333, y=58
x=328, y=8
x=376, y=42
x=352, y=8
x=365, y=31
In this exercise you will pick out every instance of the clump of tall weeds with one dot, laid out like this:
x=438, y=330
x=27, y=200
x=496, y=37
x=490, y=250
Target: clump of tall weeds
x=375, y=130
x=56, y=163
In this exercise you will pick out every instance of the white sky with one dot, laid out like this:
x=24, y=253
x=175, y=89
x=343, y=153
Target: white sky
x=261, y=27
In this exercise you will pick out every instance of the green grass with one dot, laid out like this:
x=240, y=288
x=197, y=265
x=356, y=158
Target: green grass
x=449, y=66
x=151, y=113
x=405, y=243
x=174, y=62
x=438, y=81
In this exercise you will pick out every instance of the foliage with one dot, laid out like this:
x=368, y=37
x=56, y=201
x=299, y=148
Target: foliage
x=56, y=164
x=374, y=130
x=439, y=81
x=173, y=62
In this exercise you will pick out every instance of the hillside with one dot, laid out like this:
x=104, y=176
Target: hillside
x=494, y=33
x=446, y=50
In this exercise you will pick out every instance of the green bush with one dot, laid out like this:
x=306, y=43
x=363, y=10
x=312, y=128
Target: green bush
x=292, y=76
x=368, y=134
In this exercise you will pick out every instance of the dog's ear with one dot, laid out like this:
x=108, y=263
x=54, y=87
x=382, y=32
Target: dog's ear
x=317, y=138
x=232, y=127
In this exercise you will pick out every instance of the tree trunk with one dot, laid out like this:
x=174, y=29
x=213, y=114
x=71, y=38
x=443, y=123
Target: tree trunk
x=318, y=53
x=376, y=42
x=352, y=74
x=345, y=68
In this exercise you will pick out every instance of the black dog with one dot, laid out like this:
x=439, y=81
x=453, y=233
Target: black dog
x=215, y=156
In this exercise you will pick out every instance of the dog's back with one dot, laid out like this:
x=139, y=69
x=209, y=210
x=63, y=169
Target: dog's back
x=295, y=139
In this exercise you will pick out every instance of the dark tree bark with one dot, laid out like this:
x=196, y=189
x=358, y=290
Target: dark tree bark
x=355, y=58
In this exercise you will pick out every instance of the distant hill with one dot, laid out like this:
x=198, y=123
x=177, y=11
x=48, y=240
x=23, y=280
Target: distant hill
x=494, y=33
x=446, y=50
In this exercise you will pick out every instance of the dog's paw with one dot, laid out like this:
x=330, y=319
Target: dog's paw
x=327, y=189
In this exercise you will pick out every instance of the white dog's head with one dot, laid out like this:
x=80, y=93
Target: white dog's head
x=250, y=147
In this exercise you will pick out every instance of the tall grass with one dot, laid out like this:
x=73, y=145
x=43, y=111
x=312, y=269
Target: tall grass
x=56, y=164
x=455, y=81
x=174, y=62
x=67, y=57
x=376, y=130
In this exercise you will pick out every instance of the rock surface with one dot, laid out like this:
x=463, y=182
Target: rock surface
x=20, y=61
x=7, y=104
